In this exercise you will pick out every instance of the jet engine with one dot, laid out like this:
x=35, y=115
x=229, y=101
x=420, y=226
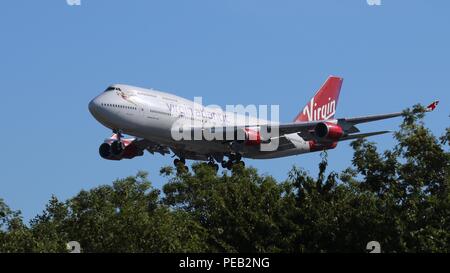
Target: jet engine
x=118, y=150
x=328, y=131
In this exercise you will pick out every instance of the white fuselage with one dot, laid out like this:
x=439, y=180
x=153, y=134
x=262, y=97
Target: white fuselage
x=151, y=114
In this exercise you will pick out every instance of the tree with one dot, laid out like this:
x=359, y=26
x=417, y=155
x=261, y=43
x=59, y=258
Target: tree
x=240, y=210
x=14, y=235
x=411, y=182
x=399, y=197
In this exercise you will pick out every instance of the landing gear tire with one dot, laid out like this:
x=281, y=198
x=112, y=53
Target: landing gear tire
x=179, y=160
x=176, y=161
x=180, y=165
x=229, y=165
x=233, y=159
x=224, y=164
x=238, y=158
x=213, y=165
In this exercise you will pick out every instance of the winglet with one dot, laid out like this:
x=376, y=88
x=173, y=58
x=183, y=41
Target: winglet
x=432, y=106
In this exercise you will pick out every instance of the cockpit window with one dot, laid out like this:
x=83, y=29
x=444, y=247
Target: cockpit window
x=112, y=88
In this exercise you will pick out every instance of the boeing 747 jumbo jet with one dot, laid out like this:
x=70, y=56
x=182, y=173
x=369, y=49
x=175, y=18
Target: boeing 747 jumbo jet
x=164, y=123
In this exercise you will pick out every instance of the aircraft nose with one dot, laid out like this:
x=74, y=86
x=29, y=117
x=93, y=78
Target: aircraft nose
x=93, y=106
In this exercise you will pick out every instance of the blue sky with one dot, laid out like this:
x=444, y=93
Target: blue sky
x=54, y=58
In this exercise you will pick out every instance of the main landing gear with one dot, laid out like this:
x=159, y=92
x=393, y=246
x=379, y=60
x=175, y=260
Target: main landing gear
x=213, y=164
x=180, y=164
x=178, y=161
x=233, y=159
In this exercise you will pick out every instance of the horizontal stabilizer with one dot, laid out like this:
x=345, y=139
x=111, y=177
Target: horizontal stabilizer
x=349, y=137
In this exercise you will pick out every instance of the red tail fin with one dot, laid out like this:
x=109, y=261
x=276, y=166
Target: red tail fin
x=323, y=105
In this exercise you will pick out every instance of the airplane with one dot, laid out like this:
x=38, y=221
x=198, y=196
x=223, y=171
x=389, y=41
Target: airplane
x=153, y=117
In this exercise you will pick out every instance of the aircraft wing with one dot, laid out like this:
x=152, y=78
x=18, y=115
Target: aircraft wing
x=350, y=122
x=364, y=119
x=306, y=129
x=347, y=123
x=283, y=129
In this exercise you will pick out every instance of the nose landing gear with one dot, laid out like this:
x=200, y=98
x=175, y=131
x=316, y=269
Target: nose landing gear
x=117, y=145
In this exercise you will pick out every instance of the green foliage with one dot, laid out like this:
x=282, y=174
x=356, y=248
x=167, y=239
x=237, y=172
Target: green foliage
x=239, y=210
x=399, y=197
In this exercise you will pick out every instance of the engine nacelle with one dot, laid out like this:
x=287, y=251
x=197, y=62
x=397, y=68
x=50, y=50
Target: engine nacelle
x=119, y=151
x=105, y=151
x=252, y=137
x=328, y=131
x=321, y=146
